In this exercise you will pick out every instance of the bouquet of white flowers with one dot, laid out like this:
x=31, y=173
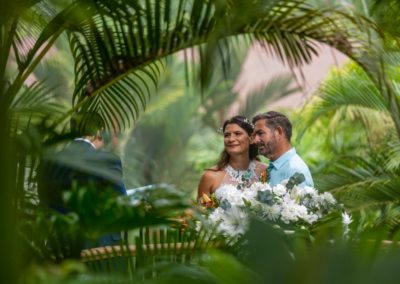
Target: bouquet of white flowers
x=285, y=204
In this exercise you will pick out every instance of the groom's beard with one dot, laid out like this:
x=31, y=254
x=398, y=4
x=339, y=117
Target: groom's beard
x=268, y=149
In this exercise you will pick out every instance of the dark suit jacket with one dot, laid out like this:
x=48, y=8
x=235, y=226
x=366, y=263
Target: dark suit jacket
x=82, y=163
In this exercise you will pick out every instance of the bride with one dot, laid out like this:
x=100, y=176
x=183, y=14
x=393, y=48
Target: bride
x=238, y=165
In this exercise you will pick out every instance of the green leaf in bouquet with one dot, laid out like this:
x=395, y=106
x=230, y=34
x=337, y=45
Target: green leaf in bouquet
x=265, y=197
x=246, y=203
x=308, y=202
x=225, y=204
x=295, y=179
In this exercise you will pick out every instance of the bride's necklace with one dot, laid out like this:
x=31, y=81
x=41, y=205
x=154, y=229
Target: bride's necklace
x=242, y=177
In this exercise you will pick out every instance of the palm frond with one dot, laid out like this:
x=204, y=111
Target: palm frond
x=350, y=94
x=33, y=104
x=393, y=162
x=29, y=47
x=33, y=109
x=361, y=183
x=121, y=37
x=275, y=89
x=386, y=14
x=21, y=24
x=29, y=29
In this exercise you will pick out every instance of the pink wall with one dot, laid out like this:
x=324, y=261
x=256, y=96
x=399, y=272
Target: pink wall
x=259, y=68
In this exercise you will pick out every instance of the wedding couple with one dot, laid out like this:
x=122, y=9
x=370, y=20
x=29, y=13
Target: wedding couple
x=269, y=134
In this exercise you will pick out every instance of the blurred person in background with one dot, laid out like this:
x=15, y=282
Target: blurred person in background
x=84, y=163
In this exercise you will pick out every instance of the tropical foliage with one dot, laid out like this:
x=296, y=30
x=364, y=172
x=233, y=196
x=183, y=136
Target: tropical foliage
x=120, y=53
x=362, y=169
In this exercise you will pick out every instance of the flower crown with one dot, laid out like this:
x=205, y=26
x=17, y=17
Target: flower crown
x=248, y=122
x=245, y=120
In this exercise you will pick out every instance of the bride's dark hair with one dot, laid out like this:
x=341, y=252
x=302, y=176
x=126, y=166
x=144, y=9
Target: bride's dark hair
x=246, y=125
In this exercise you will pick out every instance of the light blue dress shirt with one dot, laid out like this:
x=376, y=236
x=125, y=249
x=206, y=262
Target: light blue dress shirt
x=286, y=166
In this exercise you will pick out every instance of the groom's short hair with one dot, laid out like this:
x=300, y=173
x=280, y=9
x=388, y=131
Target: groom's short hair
x=273, y=119
x=87, y=123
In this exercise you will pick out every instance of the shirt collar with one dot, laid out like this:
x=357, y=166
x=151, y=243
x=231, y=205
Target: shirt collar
x=85, y=140
x=278, y=163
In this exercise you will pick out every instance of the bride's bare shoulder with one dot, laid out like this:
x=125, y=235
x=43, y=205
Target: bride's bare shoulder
x=209, y=181
x=213, y=173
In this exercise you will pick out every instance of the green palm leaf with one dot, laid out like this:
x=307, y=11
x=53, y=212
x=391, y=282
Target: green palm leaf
x=361, y=183
x=33, y=104
x=393, y=162
x=386, y=14
x=123, y=37
x=350, y=94
x=275, y=89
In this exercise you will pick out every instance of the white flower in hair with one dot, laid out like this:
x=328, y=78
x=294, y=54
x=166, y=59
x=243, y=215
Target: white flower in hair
x=248, y=122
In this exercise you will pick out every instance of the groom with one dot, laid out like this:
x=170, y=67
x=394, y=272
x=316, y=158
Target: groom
x=272, y=133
